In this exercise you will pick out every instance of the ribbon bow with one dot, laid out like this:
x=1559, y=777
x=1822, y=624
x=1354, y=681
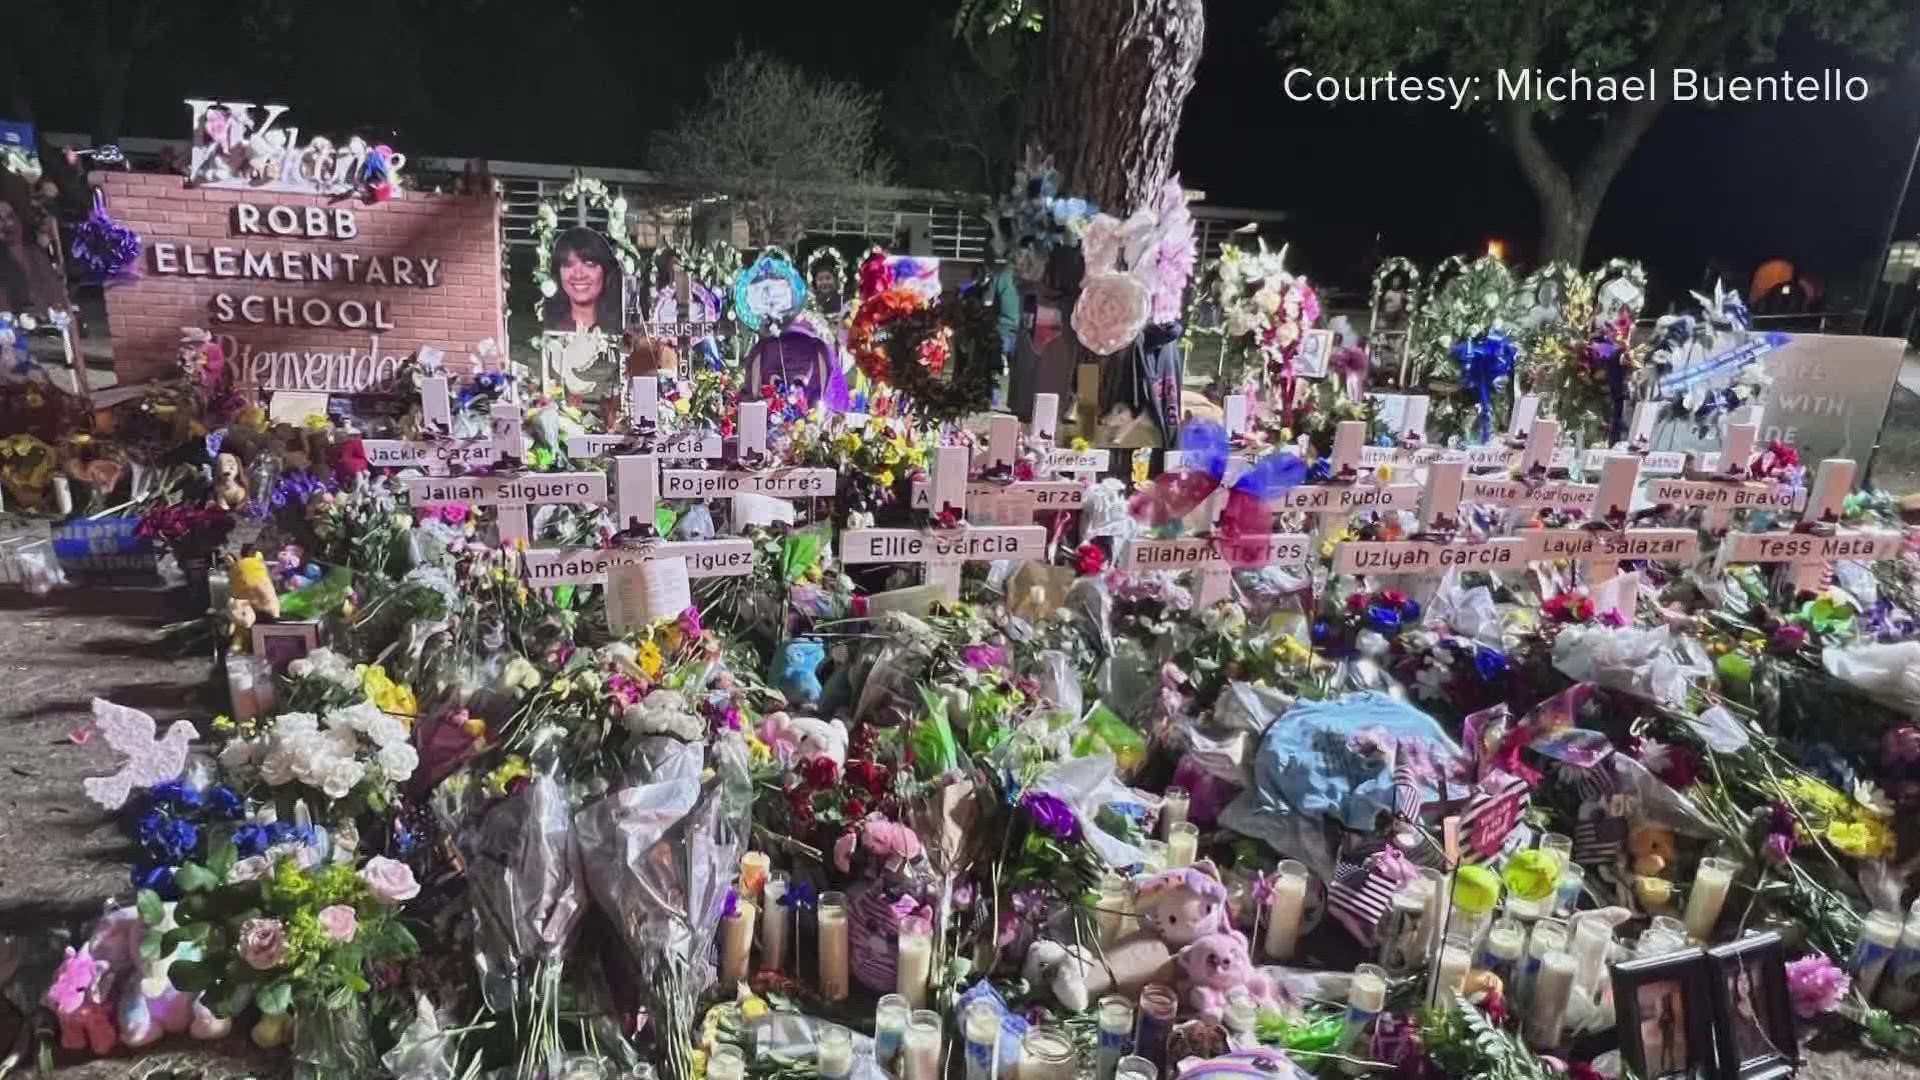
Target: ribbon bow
x=1484, y=361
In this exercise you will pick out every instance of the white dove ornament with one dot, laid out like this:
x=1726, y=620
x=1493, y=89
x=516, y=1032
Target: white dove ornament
x=150, y=761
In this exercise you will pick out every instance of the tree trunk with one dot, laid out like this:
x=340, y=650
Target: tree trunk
x=1565, y=223
x=1119, y=73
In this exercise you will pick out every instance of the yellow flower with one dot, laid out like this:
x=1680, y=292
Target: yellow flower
x=759, y=751
x=753, y=1008
x=1080, y=444
x=562, y=687
x=1814, y=794
x=1860, y=839
x=1289, y=651
x=650, y=659
x=223, y=724
x=475, y=727
x=1141, y=468
x=682, y=406
x=318, y=422
x=885, y=479
x=506, y=773
x=1326, y=549
x=1384, y=473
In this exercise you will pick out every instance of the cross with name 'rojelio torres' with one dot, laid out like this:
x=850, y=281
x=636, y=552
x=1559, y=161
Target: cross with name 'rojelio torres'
x=1817, y=541
x=1061, y=478
x=944, y=551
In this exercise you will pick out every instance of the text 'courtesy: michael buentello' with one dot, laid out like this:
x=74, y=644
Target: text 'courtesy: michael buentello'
x=1574, y=86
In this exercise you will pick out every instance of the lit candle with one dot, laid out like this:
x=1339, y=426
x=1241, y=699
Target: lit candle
x=1708, y=895
x=1573, y=880
x=1173, y=810
x=1112, y=916
x=1116, y=1026
x=1552, y=991
x=1183, y=844
x=831, y=918
x=773, y=924
x=1283, y=915
x=916, y=960
x=1046, y=1054
x=923, y=1046
x=981, y=1028
x=1591, y=940
x=890, y=1020
x=835, y=1049
x=754, y=867
x=1450, y=975
x=1877, y=941
x=736, y=942
x=1366, y=996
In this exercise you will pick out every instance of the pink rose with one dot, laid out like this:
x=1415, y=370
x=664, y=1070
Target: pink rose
x=263, y=943
x=390, y=880
x=890, y=839
x=1112, y=310
x=339, y=921
x=843, y=851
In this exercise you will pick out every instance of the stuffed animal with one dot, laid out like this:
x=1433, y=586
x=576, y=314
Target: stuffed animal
x=1076, y=978
x=249, y=581
x=241, y=618
x=796, y=669
x=804, y=737
x=149, y=1008
x=78, y=998
x=1215, y=964
x=229, y=490
x=1183, y=904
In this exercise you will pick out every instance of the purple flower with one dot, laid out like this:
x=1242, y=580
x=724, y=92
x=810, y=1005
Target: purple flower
x=1901, y=746
x=982, y=657
x=1051, y=813
x=1789, y=637
x=1816, y=986
x=1778, y=848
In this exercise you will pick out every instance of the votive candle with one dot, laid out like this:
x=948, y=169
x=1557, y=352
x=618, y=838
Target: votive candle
x=831, y=918
x=1450, y=972
x=1708, y=895
x=1283, y=914
x=1112, y=916
x=923, y=1046
x=1116, y=1028
x=1183, y=844
x=1366, y=997
x=981, y=1028
x=754, y=871
x=835, y=1052
x=736, y=942
x=1173, y=810
x=1046, y=1054
x=1552, y=992
x=1878, y=938
x=726, y=1062
x=890, y=1018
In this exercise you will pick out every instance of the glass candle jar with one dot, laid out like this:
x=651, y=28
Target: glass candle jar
x=1046, y=1054
x=831, y=919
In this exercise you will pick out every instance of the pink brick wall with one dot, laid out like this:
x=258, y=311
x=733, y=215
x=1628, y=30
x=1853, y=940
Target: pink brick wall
x=456, y=314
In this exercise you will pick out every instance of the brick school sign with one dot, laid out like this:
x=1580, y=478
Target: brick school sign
x=304, y=292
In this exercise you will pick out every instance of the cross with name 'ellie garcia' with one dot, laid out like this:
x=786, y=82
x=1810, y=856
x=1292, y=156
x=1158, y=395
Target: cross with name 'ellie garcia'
x=944, y=550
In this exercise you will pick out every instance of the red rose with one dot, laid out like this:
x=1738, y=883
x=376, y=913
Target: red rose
x=1088, y=560
x=820, y=772
x=800, y=802
x=1357, y=602
x=1393, y=598
x=856, y=809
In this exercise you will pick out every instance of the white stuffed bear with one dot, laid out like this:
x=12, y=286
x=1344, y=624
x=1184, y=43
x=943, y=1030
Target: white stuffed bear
x=819, y=738
x=1062, y=969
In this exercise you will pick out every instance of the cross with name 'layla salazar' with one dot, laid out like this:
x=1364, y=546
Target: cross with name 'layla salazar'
x=1810, y=547
x=944, y=550
x=1605, y=542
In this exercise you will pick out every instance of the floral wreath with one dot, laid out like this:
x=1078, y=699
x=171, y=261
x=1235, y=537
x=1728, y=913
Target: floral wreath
x=1468, y=314
x=773, y=262
x=546, y=222
x=826, y=253
x=944, y=359
x=1398, y=264
x=875, y=324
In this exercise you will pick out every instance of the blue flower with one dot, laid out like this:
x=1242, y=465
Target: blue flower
x=1410, y=611
x=226, y=803
x=1320, y=471
x=176, y=792
x=148, y=828
x=1321, y=632
x=179, y=840
x=1490, y=663
x=251, y=839
x=282, y=832
x=800, y=896
x=1383, y=619
x=157, y=878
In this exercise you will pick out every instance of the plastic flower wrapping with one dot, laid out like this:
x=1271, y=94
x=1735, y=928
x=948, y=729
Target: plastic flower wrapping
x=534, y=787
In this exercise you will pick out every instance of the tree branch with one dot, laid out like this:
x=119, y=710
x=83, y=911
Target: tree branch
x=1513, y=120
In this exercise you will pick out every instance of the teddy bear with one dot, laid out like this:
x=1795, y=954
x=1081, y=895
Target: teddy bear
x=78, y=998
x=796, y=669
x=241, y=618
x=1216, y=963
x=806, y=737
x=229, y=491
x=149, y=1008
x=1076, y=977
x=1183, y=904
x=249, y=580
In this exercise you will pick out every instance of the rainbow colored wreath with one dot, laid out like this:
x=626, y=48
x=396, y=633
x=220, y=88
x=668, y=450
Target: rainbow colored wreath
x=873, y=324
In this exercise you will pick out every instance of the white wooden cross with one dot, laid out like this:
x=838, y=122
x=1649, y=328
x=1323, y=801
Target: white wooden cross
x=1335, y=502
x=1014, y=502
x=943, y=551
x=1731, y=491
x=1603, y=549
x=1528, y=492
x=437, y=456
x=643, y=416
x=1806, y=553
x=783, y=483
x=1440, y=513
x=1639, y=434
x=637, y=489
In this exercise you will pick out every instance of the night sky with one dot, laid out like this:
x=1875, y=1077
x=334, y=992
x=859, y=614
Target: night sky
x=585, y=81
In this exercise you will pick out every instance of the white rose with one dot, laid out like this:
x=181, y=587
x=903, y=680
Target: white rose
x=278, y=768
x=548, y=288
x=237, y=755
x=341, y=777
x=386, y=731
x=398, y=761
x=300, y=668
x=251, y=868
x=296, y=723
x=343, y=742
x=358, y=717
x=1111, y=312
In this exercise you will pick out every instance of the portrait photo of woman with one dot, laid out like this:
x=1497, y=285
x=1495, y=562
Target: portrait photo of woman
x=588, y=284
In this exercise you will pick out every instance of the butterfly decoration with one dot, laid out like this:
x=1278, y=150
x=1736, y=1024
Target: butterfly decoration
x=150, y=761
x=1204, y=447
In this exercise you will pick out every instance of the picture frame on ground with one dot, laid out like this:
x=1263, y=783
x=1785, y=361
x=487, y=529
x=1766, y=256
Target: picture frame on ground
x=1664, y=1007
x=1754, y=1030
x=280, y=644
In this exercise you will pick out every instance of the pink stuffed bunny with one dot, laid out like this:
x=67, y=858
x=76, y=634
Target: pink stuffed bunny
x=1183, y=904
x=77, y=997
x=1213, y=965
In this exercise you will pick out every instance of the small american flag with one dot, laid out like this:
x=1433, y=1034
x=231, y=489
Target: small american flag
x=1406, y=789
x=1360, y=895
x=1492, y=813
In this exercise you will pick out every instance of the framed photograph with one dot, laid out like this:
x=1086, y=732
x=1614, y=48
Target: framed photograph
x=1664, y=1009
x=280, y=644
x=1753, y=1023
x=1316, y=350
